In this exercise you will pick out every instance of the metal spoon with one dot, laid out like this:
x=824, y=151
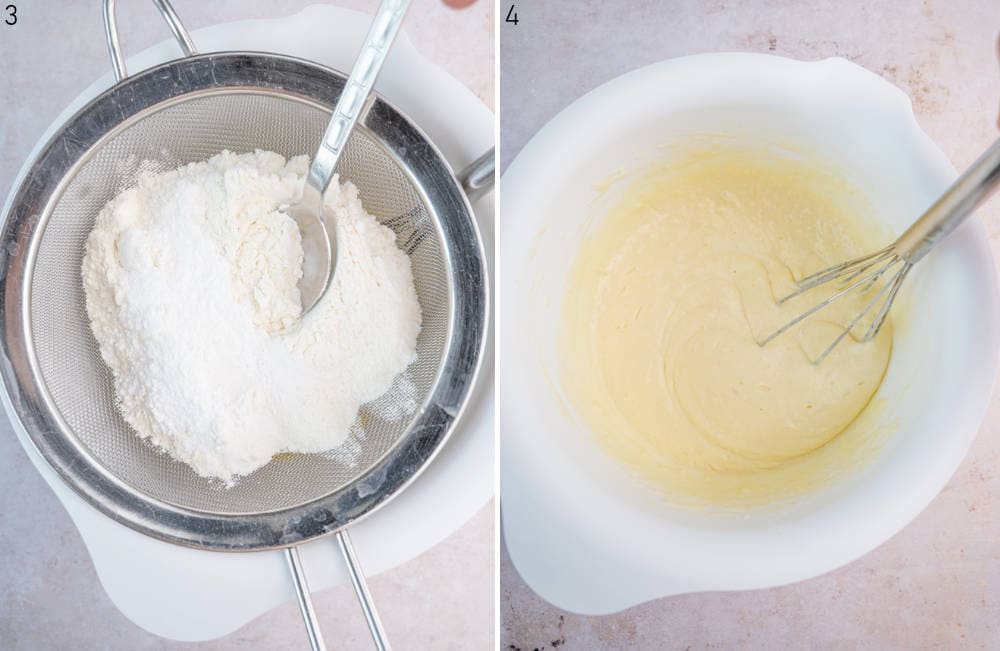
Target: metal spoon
x=319, y=245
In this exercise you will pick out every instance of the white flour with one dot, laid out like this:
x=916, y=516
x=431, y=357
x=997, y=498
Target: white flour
x=190, y=280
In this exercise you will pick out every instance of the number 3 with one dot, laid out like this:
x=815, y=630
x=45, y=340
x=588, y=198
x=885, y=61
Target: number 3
x=11, y=14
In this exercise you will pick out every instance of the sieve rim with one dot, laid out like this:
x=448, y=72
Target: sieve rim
x=26, y=393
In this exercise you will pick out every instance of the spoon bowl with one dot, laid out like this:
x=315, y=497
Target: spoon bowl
x=319, y=246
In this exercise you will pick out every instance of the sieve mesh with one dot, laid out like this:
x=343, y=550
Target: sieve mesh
x=79, y=383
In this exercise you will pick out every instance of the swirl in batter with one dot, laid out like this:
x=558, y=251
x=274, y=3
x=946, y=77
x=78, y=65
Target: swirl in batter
x=667, y=299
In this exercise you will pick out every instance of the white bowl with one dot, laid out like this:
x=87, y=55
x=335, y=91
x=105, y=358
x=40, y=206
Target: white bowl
x=587, y=535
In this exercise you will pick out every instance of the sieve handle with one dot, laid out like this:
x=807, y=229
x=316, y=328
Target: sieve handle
x=378, y=41
x=478, y=178
x=111, y=30
x=305, y=601
x=361, y=590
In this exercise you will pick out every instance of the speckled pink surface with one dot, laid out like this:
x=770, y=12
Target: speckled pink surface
x=50, y=596
x=935, y=585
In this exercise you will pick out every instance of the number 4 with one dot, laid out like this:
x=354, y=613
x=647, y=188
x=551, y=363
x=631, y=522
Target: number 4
x=511, y=15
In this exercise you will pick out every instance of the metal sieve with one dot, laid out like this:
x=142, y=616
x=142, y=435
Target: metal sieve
x=187, y=110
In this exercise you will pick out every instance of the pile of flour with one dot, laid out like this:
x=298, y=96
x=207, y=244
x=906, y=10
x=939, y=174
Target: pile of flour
x=190, y=279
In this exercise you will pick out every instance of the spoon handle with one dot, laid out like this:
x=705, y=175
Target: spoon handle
x=359, y=85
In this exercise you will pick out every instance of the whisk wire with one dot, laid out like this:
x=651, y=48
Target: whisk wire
x=894, y=286
x=870, y=278
x=853, y=268
x=875, y=259
x=880, y=315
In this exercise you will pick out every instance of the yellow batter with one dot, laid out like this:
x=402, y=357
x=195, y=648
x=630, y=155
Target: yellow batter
x=667, y=300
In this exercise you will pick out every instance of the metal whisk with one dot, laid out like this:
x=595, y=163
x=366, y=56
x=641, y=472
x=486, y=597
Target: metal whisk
x=890, y=265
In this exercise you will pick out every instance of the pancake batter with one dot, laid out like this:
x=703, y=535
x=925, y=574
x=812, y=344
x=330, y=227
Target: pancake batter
x=667, y=300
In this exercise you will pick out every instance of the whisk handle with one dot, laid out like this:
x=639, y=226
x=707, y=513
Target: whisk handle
x=971, y=189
